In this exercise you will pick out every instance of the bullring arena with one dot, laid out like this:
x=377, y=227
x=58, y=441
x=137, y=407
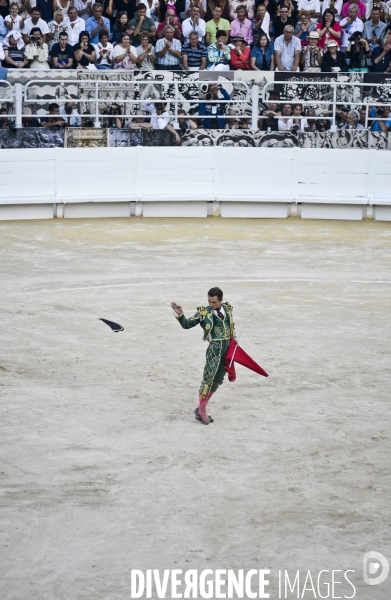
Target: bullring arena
x=110, y=486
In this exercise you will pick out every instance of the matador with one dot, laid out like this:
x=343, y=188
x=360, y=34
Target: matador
x=217, y=322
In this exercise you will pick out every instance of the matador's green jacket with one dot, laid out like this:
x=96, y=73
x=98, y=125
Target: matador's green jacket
x=218, y=332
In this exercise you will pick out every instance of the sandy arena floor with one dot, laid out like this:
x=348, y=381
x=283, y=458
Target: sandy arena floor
x=104, y=468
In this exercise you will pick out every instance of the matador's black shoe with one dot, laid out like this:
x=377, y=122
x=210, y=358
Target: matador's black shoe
x=197, y=416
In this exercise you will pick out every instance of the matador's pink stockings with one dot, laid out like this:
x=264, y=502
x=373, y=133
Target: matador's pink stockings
x=202, y=406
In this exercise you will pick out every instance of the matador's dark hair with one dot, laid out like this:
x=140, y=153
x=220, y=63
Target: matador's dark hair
x=216, y=292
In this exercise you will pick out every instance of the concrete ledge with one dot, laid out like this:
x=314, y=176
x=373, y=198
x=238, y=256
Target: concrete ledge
x=345, y=212
x=175, y=209
x=254, y=210
x=96, y=210
x=14, y=212
x=382, y=213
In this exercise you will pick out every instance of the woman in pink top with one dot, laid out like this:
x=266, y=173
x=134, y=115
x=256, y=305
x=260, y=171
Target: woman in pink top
x=328, y=29
x=362, y=9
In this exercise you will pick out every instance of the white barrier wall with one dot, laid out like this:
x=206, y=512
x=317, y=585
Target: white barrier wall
x=181, y=181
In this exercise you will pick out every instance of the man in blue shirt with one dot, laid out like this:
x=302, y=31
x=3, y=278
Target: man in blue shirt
x=97, y=23
x=381, y=57
x=382, y=112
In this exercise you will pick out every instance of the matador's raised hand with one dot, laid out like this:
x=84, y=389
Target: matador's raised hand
x=176, y=308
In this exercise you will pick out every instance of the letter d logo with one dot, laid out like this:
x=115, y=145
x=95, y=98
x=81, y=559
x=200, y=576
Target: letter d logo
x=371, y=566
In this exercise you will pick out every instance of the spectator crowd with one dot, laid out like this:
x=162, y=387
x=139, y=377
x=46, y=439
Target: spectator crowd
x=220, y=35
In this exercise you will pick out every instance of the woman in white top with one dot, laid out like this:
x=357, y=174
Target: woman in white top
x=13, y=21
x=103, y=52
x=125, y=55
x=36, y=51
x=62, y=5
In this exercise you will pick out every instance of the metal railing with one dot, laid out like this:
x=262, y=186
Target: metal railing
x=98, y=101
x=334, y=103
x=20, y=96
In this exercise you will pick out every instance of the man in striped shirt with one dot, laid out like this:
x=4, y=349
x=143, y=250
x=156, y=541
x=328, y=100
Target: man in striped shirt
x=194, y=54
x=168, y=51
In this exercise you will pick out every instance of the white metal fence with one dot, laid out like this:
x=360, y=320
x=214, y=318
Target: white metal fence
x=19, y=96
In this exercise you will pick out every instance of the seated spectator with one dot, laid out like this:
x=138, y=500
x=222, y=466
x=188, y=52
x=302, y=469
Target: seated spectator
x=214, y=112
x=381, y=57
x=262, y=54
x=54, y=121
x=47, y=7
x=285, y=123
x=219, y=54
x=121, y=26
x=201, y=5
x=311, y=57
x=335, y=6
x=74, y=26
x=153, y=10
x=62, y=53
x=349, y=25
x=311, y=8
x=341, y=115
x=352, y=121
x=281, y=21
x=172, y=20
x=103, y=52
x=178, y=6
x=28, y=120
x=311, y=122
x=268, y=120
x=381, y=112
x=361, y=9
x=13, y=46
x=128, y=6
x=3, y=29
x=62, y=5
x=358, y=51
x=145, y=54
x=55, y=28
x=97, y=23
x=291, y=5
x=84, y=9
x=363, y=115
x=374, y=29
x=298, y=124
x=13, y=21
x=160, y=117
x=261, y=23
x=249, y=6
x=194, y=23
x=334, y=61
x=216, y=24
x=35, y=21
x=37, y=51
x=112, y=118
x=224, y=4
x=231, y=121
x=271, y=7
x=329, y=29
x=124, y=55
x=194, y=54
x=142, y=23
x=242, y=25
x=240, y=55
x=139, y=121
x=185, y=124
x=5, y=122
x=84, y=53
x=287, y=51
x=70, y=114
x=303, y=29
x=168, y=51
